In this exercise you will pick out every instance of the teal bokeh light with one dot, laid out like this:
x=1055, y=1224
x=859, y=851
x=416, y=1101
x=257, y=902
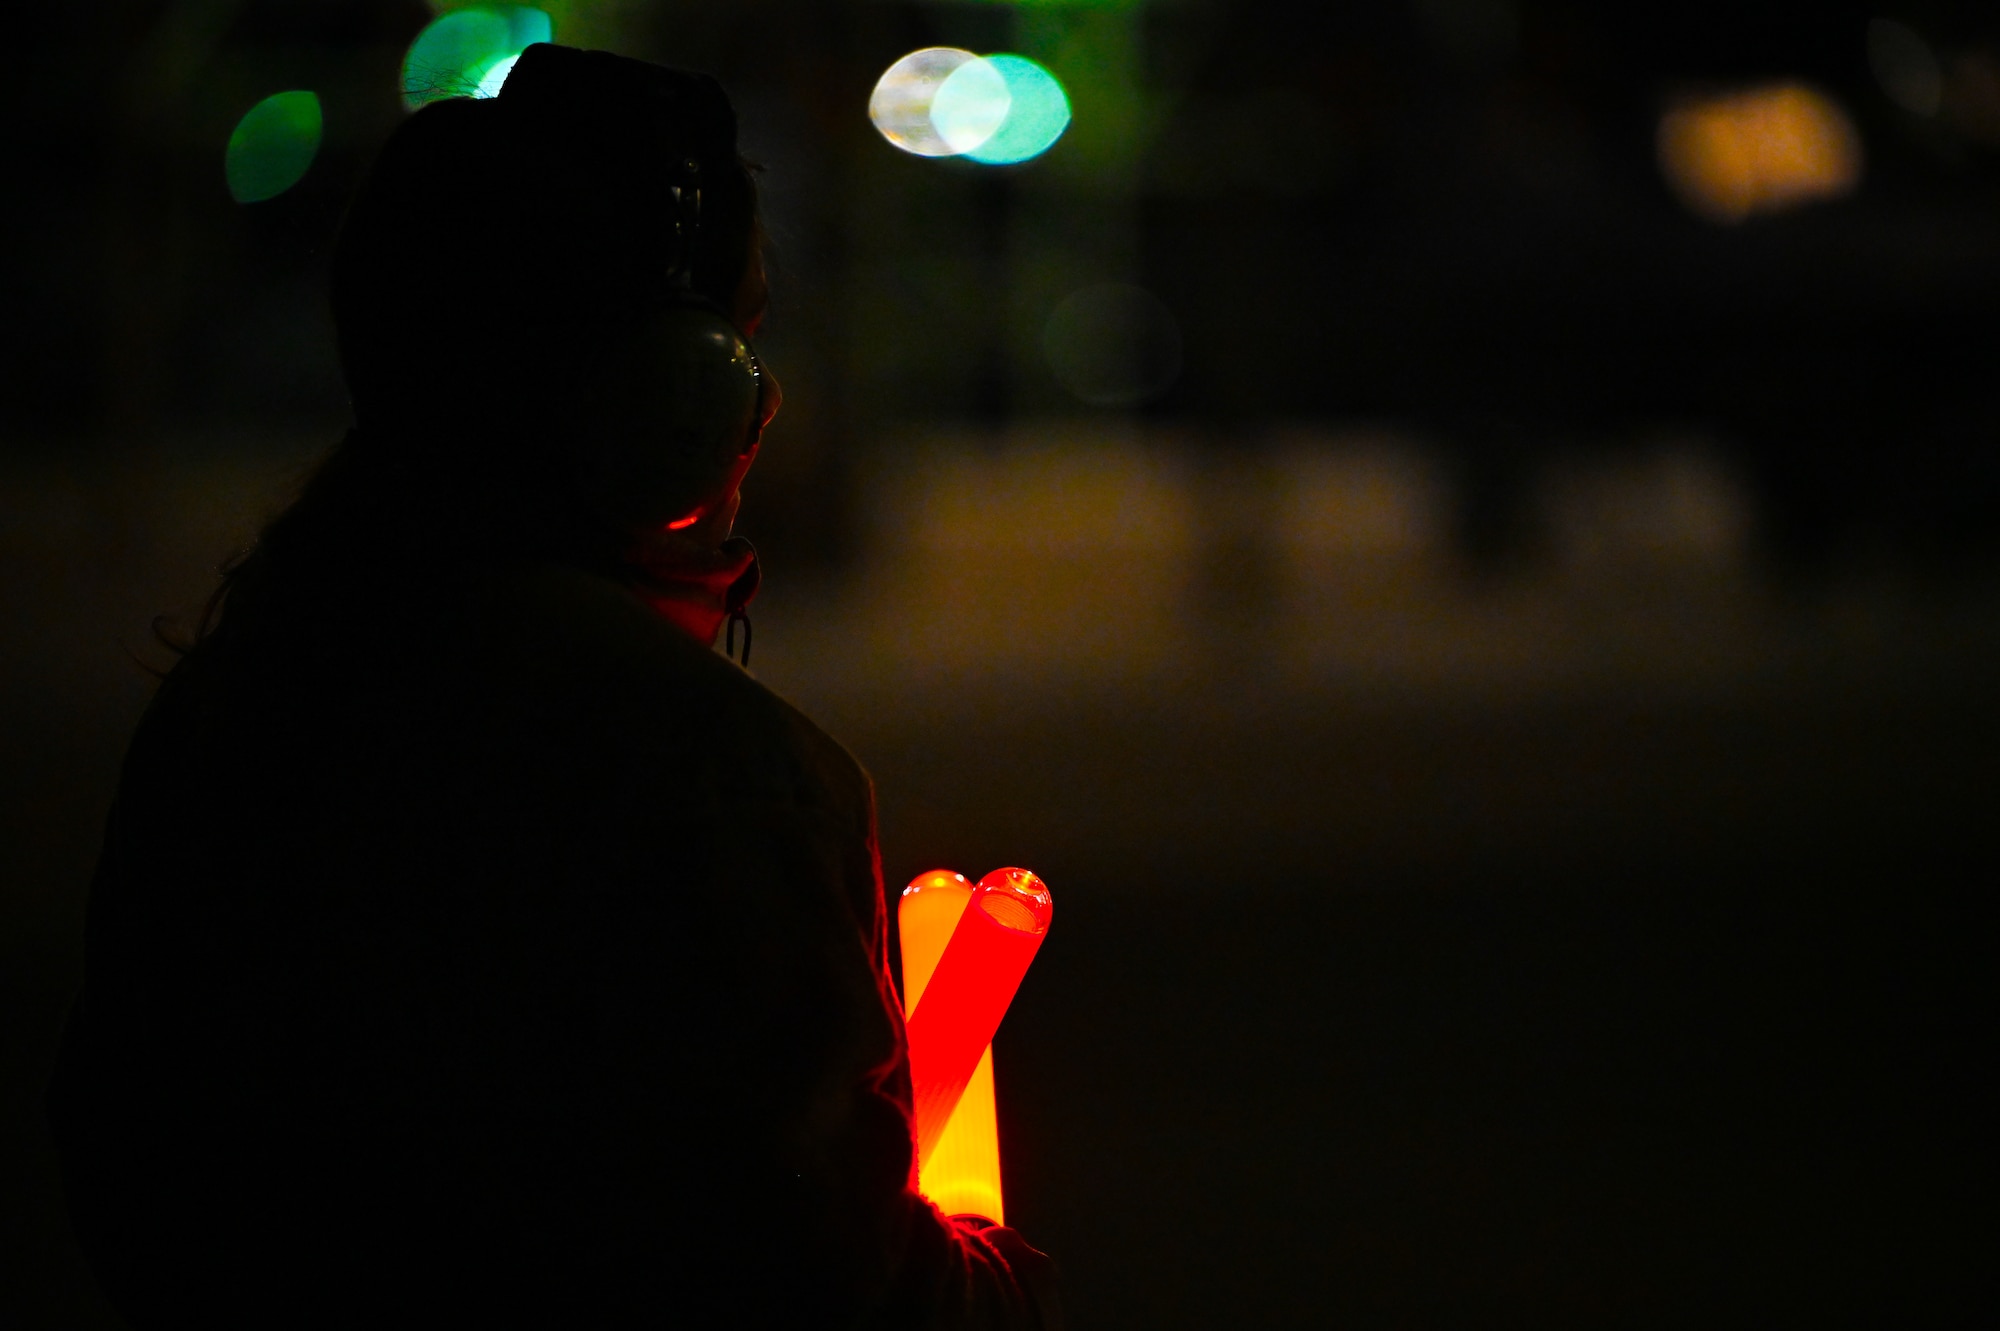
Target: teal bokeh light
x=971, y=105
x=272, y=146
x=1037, y=113
x=459, y=54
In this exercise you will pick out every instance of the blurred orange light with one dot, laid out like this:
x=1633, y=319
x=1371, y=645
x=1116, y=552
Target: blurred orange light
x=979, y=957
x=1757, y=151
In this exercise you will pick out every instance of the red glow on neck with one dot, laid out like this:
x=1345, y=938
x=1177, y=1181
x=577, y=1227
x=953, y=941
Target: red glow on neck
x=681, y=524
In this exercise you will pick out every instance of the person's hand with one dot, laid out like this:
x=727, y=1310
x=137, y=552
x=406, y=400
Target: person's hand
x=1033, y=1268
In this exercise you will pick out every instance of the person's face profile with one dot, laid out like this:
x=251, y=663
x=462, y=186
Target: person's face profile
x=751, y=305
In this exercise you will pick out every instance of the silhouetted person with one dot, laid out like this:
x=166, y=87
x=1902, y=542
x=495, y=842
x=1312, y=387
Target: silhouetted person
x=473, y=945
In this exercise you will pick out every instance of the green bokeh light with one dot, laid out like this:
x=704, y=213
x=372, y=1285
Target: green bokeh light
x=458, y=54
x=272, y=146
x=495, y=76
x=1037, y=113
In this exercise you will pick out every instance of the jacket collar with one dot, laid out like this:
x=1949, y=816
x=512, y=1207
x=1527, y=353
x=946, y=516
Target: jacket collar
x=693, y=585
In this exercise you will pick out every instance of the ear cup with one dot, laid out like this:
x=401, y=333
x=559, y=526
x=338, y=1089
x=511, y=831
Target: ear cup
x=710, y=377
x=674, y=409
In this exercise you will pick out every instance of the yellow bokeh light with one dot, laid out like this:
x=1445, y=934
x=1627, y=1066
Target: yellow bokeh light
x=1761, y=150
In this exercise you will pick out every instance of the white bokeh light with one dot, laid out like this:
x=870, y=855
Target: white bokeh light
x=900, y=106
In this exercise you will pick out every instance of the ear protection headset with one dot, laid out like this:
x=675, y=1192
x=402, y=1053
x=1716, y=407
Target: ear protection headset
x=657, y=132
x=713, y=375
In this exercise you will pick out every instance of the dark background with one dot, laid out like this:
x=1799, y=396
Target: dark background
x=1508, y=725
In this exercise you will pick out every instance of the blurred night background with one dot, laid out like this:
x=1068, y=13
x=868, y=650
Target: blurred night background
x=1459, y=536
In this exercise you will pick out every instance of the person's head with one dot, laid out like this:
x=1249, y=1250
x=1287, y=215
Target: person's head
x=534, y=295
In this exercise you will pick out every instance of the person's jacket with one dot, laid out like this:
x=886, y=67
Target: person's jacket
x=494, y=953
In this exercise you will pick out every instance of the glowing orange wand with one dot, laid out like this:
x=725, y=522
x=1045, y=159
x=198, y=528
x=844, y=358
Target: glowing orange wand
x=965, y=949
